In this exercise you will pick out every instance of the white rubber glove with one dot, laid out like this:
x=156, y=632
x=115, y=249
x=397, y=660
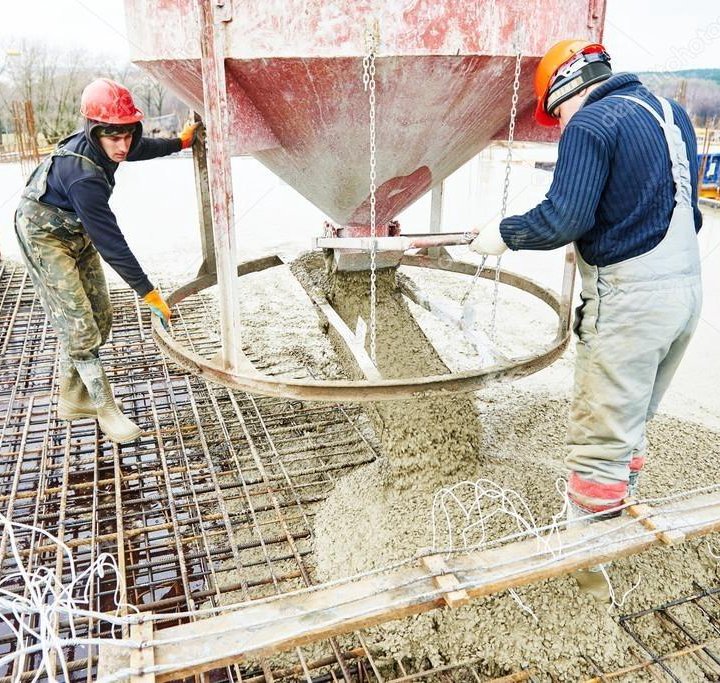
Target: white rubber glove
x=489, y=241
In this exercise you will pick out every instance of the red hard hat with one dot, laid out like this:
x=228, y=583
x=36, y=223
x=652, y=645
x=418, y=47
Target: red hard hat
x=109, y=102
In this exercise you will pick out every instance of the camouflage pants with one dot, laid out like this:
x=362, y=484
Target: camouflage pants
x=67, y=274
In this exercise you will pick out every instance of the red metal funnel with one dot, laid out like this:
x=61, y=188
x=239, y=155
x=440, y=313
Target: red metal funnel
x=295, y=92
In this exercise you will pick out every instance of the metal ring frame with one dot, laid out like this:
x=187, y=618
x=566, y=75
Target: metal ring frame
x=384, y=389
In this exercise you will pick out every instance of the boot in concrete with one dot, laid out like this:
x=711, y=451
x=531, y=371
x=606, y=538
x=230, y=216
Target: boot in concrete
x=633, y=484
x=112, y=422
x=74, y=400
x=592, y=580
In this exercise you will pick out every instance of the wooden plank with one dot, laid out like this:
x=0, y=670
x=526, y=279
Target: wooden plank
x=202, y=190
x=566, y=295
x=142, y=659
x=650, y=520
x=447, y=582
x=111, y=660
x=451, y=313
x=351, y=340
x=261, y=628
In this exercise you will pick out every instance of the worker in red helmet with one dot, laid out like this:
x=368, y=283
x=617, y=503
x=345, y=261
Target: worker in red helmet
x=64, y=224
x=625, y=193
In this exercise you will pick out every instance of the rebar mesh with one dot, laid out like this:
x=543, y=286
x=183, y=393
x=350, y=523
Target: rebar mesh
x=214, y=504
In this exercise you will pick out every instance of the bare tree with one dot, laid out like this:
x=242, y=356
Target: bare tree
x=52, y=81
x=154, y=98
x=702, y=96
x=152, y=94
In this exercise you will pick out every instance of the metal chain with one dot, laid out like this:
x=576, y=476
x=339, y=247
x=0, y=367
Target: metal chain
x=474, y=280
x=506, y=185
x=371, y=43
x=503, y=209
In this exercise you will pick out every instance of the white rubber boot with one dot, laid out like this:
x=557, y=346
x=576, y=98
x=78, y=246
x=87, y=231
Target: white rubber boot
x=74, y=400
x=591, y=580
x=112, y=422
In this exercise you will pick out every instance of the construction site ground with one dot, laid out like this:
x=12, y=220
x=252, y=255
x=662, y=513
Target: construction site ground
x=281, y=466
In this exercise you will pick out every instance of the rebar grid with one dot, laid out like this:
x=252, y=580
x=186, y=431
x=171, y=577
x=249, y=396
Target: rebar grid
x=687, y=628
x=215, y=502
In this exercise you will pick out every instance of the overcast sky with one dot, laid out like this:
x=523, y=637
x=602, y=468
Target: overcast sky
x=663, y=35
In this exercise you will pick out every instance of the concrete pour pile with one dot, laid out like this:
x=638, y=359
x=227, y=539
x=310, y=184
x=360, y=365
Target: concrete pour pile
x=411, y=437
x=381, y=512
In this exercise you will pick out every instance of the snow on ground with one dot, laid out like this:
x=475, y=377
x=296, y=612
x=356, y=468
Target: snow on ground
x=523, y=424
x=157, y=210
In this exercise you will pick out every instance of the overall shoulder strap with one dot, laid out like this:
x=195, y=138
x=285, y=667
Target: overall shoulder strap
x=62, y=152
x=675, y=144
x=644, y=105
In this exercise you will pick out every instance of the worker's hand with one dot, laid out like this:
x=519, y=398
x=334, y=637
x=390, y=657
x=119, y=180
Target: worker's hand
x=158, y=307
x=489, y=240
x=189, y=133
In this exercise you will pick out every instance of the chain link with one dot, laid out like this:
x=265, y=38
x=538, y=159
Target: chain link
x=506, y=186
x=371, y=43
x=503, y=208
x=474, y=280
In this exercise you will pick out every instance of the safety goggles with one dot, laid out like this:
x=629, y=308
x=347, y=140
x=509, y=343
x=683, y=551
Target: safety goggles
x=108, y=131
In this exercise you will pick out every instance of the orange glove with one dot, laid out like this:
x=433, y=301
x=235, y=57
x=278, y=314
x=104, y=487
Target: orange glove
x=158, y=307
x=189, y=133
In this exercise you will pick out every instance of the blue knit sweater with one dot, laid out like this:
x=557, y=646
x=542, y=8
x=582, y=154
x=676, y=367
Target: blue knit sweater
x=75, y=186
x=612, y=191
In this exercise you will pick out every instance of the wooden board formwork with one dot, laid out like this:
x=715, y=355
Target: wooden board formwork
x=264, y=627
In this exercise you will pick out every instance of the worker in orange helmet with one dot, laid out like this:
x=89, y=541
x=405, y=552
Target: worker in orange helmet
x=625, y=193
x=64, y=221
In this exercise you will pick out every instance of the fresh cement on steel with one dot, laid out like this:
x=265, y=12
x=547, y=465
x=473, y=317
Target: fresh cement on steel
x=515, y=437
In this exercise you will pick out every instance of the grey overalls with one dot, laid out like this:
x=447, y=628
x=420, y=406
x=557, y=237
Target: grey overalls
x=64, y=266
x=635, y=324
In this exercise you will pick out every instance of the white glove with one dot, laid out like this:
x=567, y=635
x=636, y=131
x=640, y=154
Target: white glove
x=489, y=241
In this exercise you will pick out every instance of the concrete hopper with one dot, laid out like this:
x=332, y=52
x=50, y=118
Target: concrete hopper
x=286, y=82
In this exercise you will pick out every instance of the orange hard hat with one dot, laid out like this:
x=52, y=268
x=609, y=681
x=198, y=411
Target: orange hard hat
x=585, y=63
x=109, y=102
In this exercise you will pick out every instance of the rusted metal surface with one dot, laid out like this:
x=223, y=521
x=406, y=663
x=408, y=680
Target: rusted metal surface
x=220, y=184
x=376, y=390
x=291, y=28
x=284, y=81
x=217, y=497
x=295, y=93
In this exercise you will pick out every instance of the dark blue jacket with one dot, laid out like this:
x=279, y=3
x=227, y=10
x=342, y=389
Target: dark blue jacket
x=612, y=191
x=74, y=185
